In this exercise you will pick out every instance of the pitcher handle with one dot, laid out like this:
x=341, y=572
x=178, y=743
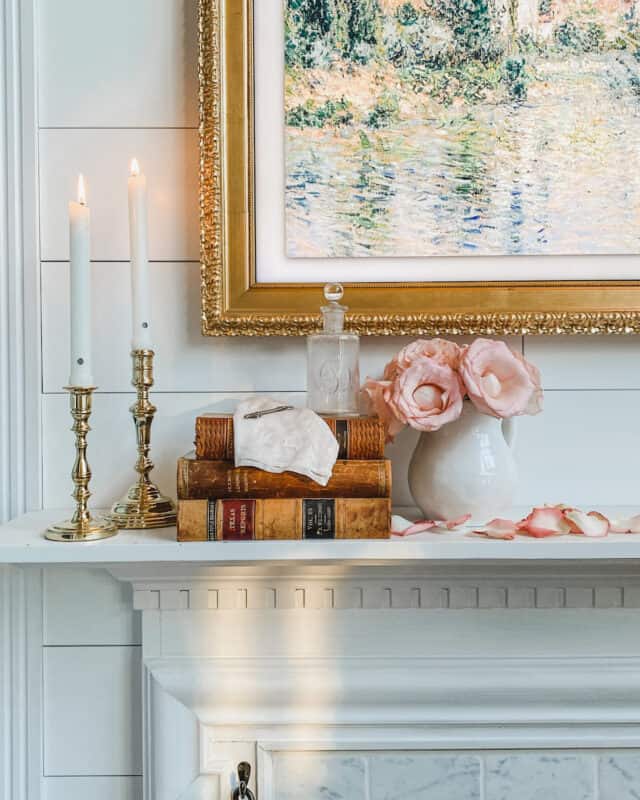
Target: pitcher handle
x=509, y=431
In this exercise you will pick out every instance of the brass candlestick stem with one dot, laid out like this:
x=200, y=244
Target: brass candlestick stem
x=144, y=505
x=82, y=527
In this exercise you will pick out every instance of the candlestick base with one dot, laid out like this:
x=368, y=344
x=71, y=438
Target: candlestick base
x=83, y=526
x=88, y=530
x=142, y=507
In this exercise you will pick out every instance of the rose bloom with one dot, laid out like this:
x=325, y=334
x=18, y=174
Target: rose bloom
x=426, y=395
x=439, y=350
x=499, y=381
x=379, y=395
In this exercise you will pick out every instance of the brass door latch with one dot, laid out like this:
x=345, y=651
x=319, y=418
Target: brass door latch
x=242, y=792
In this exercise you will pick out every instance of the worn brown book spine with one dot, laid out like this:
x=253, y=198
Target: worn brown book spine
x=199, y=479
x=300, y=518
x=358, y=437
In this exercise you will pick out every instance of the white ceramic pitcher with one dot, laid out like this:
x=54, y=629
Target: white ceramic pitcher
x=467, y=467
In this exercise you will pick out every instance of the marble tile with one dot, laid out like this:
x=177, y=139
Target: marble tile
x=317, y=776
x=619, y=777
x=424, y=777
x=539, y=776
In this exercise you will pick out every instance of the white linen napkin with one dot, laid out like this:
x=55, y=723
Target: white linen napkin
x=297, y=440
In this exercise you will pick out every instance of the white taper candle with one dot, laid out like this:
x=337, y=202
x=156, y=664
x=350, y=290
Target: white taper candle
x=140, y=292
x=80, y=289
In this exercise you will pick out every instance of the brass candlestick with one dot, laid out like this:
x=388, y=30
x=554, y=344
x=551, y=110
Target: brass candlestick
x=82, y=527
x=144, y=505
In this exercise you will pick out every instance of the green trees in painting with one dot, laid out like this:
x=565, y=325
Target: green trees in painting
x=447, y=50
x=308, y=23
x=363, y=20
x=351, y=29
x=472, y=27
x=315, y=27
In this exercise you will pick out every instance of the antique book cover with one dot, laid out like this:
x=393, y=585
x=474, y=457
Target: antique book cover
x=358, y=437
x=200, y=479
x=294, y=518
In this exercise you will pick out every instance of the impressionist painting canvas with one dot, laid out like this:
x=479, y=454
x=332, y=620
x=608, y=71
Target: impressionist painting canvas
x=461, y=127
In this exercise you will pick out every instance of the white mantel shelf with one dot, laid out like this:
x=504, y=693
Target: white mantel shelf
x=22, y=542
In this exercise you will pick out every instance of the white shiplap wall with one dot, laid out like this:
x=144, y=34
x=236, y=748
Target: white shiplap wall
x=132, y=91
x=117, y=79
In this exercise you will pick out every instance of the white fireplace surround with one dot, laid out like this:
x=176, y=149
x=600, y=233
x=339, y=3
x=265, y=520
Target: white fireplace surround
x=272, y=660
x=336, y=660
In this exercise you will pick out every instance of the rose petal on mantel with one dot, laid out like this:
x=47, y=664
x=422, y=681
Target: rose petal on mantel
x=417, y=527
x=499, y=529
x=594, y=524
x=546, y=521
x=452, y=524
x=630, y=525
x=399, y=524
x=422, y=525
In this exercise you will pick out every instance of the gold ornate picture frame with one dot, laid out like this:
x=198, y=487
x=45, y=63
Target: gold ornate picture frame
x=235, y=303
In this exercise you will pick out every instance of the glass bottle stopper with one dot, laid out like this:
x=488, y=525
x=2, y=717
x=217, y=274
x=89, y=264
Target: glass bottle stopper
x=333, y=313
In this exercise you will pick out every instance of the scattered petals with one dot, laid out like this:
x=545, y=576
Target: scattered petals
x=546, y=521
x=399, y=524
x=631, y=525
x=542, y=522
x=592, y=524
x=456, y=523
x=422, y=525
x=418, y=527
x=499, y=529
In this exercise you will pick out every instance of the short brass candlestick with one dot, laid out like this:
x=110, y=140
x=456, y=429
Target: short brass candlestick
x=82, y=527
x=144, y=505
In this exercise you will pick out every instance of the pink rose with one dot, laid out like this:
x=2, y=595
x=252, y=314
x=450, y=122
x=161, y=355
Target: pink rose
x=426, y=395
x=499, y=381
x=379, y=395
x=439, y=350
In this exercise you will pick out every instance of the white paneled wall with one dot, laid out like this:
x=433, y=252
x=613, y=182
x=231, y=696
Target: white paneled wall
x=117, y=79
x=135, y=95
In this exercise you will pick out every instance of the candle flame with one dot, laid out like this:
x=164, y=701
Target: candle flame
x=82, y=193
x=135, y=167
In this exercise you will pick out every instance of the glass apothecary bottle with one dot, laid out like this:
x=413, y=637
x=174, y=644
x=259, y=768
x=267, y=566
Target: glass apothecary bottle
x=333, y=374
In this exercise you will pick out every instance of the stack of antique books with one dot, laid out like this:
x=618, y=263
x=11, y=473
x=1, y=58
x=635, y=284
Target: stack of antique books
x=218, y=501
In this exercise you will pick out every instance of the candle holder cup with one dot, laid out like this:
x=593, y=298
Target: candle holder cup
x=83, y=526
x=144, y=505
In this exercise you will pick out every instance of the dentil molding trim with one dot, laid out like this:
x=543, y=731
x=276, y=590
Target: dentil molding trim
x=460, y=586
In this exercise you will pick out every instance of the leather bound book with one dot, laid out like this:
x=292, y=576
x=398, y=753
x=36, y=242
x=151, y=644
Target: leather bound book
x=199, y=479
x=358, y=437
x=300, y=518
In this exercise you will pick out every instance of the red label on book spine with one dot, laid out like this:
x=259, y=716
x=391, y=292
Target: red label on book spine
x=238, y=520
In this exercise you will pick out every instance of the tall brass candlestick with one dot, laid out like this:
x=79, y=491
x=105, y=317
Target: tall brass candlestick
x=144, y=505
x=82, y=527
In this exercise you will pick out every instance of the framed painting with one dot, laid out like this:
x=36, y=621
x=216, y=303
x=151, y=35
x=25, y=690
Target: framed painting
x=461, y=166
